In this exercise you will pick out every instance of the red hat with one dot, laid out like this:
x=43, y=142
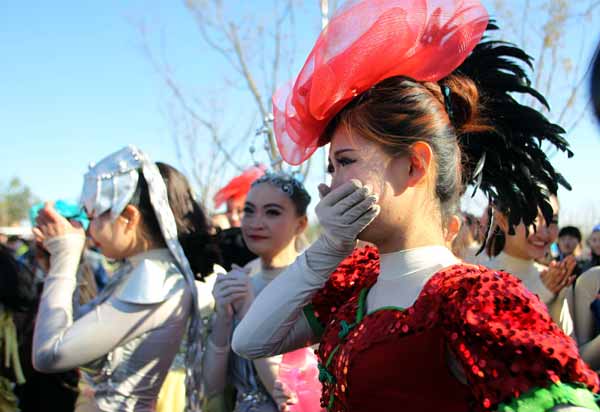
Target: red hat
x=366, y=42
x=239, y=186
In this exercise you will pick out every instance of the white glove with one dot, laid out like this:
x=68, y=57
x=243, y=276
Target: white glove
x=345, y=212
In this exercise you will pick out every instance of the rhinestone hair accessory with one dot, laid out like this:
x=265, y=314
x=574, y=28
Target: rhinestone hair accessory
x=109, y=187
x=287, y=183
x=290, y=185
x=368, y=41
x=448, y=101
x=110, y=184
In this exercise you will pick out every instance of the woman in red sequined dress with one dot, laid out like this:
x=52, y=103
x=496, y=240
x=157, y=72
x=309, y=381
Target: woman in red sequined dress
x=415, y=105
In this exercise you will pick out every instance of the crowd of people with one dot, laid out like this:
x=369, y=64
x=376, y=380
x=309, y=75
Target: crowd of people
x=134, y=299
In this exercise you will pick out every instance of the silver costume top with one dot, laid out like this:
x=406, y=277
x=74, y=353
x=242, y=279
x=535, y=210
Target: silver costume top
x=126, y=338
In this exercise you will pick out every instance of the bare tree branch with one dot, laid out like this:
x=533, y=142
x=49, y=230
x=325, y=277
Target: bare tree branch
x=324, y=13
x=553, y=68
x=186, y=127
x=256, y=54
x=591, y=7
x=572, y=96
x=252, y=86
x=580, y=116
x=525, y=18
x=237, y=38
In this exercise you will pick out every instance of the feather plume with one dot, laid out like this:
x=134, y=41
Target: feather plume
x=508, y=163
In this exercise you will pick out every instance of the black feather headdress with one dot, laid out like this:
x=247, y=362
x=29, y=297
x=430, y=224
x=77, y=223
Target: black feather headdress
x=507, y=162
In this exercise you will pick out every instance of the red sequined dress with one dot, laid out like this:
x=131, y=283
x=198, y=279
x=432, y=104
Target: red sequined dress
x=494, y=330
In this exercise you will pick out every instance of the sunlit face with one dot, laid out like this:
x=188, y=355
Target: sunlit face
x=594, y=243
x=235, y=211
x=110, y=236
x=270, y=223
x=536, y=244
x=354, y=157
x=567, y=244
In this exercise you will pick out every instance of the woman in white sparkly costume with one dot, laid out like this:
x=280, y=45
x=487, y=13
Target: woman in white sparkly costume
x=274, y=218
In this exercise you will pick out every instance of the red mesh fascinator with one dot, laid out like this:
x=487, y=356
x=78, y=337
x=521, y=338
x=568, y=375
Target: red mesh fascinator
x=239, y=186
x=366, y=42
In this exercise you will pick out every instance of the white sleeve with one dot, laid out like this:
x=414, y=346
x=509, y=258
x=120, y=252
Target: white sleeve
x=586, y=290
x=214, y=369
x=61, y=344
x=590, y=353
x=275, y=323
x=559, y=310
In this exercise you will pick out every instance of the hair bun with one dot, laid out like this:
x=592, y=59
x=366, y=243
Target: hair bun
x=463, y=101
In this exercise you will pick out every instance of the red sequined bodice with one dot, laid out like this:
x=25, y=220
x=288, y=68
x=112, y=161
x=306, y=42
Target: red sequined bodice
x=498, y=332
x=411, y=372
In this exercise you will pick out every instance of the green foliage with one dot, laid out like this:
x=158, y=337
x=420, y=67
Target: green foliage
x=546, y=399
x=15, y=200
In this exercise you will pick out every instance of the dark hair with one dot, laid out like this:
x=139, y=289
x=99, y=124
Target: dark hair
x=595, y=83
x=17, y=282
x=495, y=243
x=485, y=137
x=570, y=231
x=193, y=229
x=289, y=185
x=14, y=238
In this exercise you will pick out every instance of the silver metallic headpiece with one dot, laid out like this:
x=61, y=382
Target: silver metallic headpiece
x=288, y=184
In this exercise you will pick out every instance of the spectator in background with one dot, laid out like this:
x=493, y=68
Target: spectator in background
x=21, y=387
x=220, y=221
x=517, y=253
x=468, y=241
x=18, y=246
x=228, y=233
x=234, y=193
x=586, y=303
x=593, y=242
x=569, y=244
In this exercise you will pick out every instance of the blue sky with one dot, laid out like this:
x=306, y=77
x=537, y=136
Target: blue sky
x=76, y=86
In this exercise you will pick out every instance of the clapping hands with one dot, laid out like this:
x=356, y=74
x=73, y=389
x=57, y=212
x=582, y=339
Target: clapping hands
x=233, y=293
x=559, y=275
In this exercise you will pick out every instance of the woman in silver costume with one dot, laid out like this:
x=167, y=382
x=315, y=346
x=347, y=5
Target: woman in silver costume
x=274, y=217
x=125, y=340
